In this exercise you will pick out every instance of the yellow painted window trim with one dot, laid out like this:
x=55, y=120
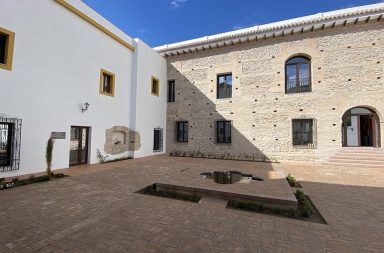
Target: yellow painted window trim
x=8, y=49
x=88, y=19
x=157, y=93
x=106, y=72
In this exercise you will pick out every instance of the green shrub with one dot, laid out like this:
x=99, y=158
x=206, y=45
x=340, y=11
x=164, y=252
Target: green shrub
x=304, y=204
x=291, y=180
x=48, y=155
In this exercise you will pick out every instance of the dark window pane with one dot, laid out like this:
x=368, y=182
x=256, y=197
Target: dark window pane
x=155, y=86
x=297, y=73
x=291, y=78
x=302, y=131
x=223, y=129
x=186, y=132
x=171, y=91
x=157, y=140
x=227, y=132
x=3, y=47
x=107, y=83
x=5, y=144
x=182, y=131
x=224, y=86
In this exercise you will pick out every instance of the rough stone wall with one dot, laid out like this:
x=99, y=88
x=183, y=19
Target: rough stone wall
x=130, y=141
x=347, y=66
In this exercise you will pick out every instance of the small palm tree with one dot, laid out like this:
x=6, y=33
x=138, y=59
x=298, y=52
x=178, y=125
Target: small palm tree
x=48, y=155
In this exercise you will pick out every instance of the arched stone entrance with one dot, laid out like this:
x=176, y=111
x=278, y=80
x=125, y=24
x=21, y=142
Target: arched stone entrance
x=361, y=128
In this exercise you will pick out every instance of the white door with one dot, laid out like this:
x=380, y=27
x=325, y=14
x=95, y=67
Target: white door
x=353, y=133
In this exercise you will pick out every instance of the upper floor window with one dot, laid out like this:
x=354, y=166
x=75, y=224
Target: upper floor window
x=171, y=91
x=298, y=75
x=107, y=83
x=155, y=86
x=302, y=132
x=182, y=131
x=224, y=86
x=7, y=39
x=223, y=132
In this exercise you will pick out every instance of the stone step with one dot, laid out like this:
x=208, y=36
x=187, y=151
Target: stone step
x=362, y=150
x=358, y=157
x=353, y=165
x=337, y=160
x=361, y=157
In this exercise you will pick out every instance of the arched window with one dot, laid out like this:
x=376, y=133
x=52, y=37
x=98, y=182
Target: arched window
x=298, y=75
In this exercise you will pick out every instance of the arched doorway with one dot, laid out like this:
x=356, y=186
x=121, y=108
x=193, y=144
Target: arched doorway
x=361, y=128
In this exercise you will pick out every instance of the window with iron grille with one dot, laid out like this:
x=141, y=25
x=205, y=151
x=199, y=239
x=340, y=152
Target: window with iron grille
x=298, y=75
x=158, y=140
x=303, y=132
x=182, y=131
x=223, y=132
x=10, y=138
x=224, y=86
x=171, y=91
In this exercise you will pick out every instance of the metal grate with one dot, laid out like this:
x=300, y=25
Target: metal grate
x=304, y=133
x=158, y=140
x=10, y=139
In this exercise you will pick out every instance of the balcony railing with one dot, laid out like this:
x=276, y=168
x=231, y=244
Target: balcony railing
x=298, y=85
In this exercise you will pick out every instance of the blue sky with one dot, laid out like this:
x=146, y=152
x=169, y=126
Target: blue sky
x=159, y=22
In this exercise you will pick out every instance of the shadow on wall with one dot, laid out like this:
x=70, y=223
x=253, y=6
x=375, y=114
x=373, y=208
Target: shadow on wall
x=201, y=113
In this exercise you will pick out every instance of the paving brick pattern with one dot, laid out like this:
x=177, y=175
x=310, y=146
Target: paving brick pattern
x=97, y=210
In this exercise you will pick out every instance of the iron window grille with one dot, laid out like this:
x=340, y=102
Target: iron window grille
x=224, y=86
x=304, y=133
x=171, y=91
x=158, y=140
x=223, y=132
x=182, y=131
x=10, y=139
x=298, y=75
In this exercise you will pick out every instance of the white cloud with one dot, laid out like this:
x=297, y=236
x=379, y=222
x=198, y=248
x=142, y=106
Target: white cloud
x=239, y=27
x=142, y=31
x=177, y=3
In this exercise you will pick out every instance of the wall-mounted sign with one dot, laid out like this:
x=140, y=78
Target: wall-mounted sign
x=58, y=135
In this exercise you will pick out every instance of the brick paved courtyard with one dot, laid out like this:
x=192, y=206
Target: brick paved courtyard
x=97, y=210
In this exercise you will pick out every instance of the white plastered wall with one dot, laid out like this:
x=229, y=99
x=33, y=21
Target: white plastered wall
x=56, y=67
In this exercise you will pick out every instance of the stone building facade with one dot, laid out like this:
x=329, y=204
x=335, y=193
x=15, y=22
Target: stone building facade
x=346, y=71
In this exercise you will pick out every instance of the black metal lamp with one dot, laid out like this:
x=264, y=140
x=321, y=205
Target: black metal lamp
x=85, y=107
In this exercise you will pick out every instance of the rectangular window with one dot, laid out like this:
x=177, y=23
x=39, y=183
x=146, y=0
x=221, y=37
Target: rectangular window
x=223, y=132
x=224, y=86
x=155, y=86
x=158, y=140
x=3, y=47
x=171, y=91
x=10, y=139
x=5, y=143
x=7, y=39
x=107, y=83
x=182, y=131
x=302, y=132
